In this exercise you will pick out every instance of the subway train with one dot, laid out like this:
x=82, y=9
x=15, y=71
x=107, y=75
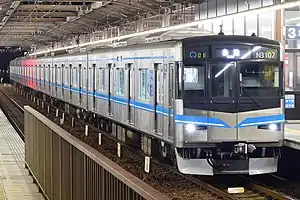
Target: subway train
x=214, y=102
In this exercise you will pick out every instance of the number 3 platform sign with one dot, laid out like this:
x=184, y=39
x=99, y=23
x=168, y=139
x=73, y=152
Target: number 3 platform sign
x=292, y=32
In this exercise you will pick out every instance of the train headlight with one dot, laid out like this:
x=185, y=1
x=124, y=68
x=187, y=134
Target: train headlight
x=273, y=127
x=190, y=128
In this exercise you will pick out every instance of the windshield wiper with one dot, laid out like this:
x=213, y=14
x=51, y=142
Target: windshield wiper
x=251, y=97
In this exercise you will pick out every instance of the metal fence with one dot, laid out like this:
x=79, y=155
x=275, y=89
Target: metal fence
x=66, y=168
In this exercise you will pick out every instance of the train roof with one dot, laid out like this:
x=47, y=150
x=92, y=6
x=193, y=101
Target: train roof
x=229, y=39
x=188, y=36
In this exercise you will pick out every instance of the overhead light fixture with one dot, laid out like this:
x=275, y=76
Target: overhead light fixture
x=266, y=9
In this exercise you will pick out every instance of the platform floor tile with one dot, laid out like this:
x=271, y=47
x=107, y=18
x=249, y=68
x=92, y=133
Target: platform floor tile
x=15, y=182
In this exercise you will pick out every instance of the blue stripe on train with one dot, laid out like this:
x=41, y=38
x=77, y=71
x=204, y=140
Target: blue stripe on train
x=261, y=120
x=180, y=119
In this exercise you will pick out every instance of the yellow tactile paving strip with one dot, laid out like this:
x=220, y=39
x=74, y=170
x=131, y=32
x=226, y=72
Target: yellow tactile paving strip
x=15, y=182
x=2, y=194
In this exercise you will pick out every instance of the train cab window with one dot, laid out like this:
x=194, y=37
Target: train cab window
x=143, y=83
x=193, y=82
x=222, y=79
x=120, y=81
x=259, y=79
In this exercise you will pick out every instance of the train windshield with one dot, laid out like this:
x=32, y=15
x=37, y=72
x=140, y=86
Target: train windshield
x=259, y=79
x=230, y=80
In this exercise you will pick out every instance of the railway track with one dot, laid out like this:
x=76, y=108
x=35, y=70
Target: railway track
x=217, y=186
x=252, y=189
x=14, y=113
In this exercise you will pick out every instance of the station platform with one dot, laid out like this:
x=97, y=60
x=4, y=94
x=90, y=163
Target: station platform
x=15, y=181
x=292, y=135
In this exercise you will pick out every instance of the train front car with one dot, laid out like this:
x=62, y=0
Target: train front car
x=229, y=110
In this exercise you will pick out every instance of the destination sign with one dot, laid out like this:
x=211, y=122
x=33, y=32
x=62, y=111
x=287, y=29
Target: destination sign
x=232, y=53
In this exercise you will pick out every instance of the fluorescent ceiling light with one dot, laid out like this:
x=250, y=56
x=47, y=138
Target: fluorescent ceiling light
x=182, y=26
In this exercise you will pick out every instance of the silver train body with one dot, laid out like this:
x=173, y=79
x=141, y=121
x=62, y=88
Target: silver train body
x=136, y=85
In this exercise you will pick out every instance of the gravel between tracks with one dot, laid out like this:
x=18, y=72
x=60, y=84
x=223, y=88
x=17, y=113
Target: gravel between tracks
x=160, y=178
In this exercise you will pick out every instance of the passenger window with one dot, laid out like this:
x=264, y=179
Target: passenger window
x=49, y=74
x=40, y=72
x=58, y=75
x=143, y=93
x=101, y=79
x=46, y=73
x=91, y=76
x=37, y=72
x=120, y=82
x=74, y=76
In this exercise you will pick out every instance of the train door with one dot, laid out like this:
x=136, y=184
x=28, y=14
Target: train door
x=222, y=88
x=158, y=99
x=84, y=86
x=110, y=88
x=131, y=90
x=173, y=69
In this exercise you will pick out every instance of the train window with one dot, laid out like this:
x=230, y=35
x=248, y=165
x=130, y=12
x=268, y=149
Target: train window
x=49, y=73
x=120, y=81
x=58, y=75
x=43, y=72
x=40, y=73
x=101, y=79
x=32, y=71
x=37, y=72
x=193, y=82
x=259, y=79
x=46, y=73
x=190, y=75
x=222, y=79
x=83, y=77
x=74, y=77
x=143, y=73
x=91, y=76
x=67, y=74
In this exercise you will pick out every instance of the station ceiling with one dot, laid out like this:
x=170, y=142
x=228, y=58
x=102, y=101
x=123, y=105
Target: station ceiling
x=30, y=21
